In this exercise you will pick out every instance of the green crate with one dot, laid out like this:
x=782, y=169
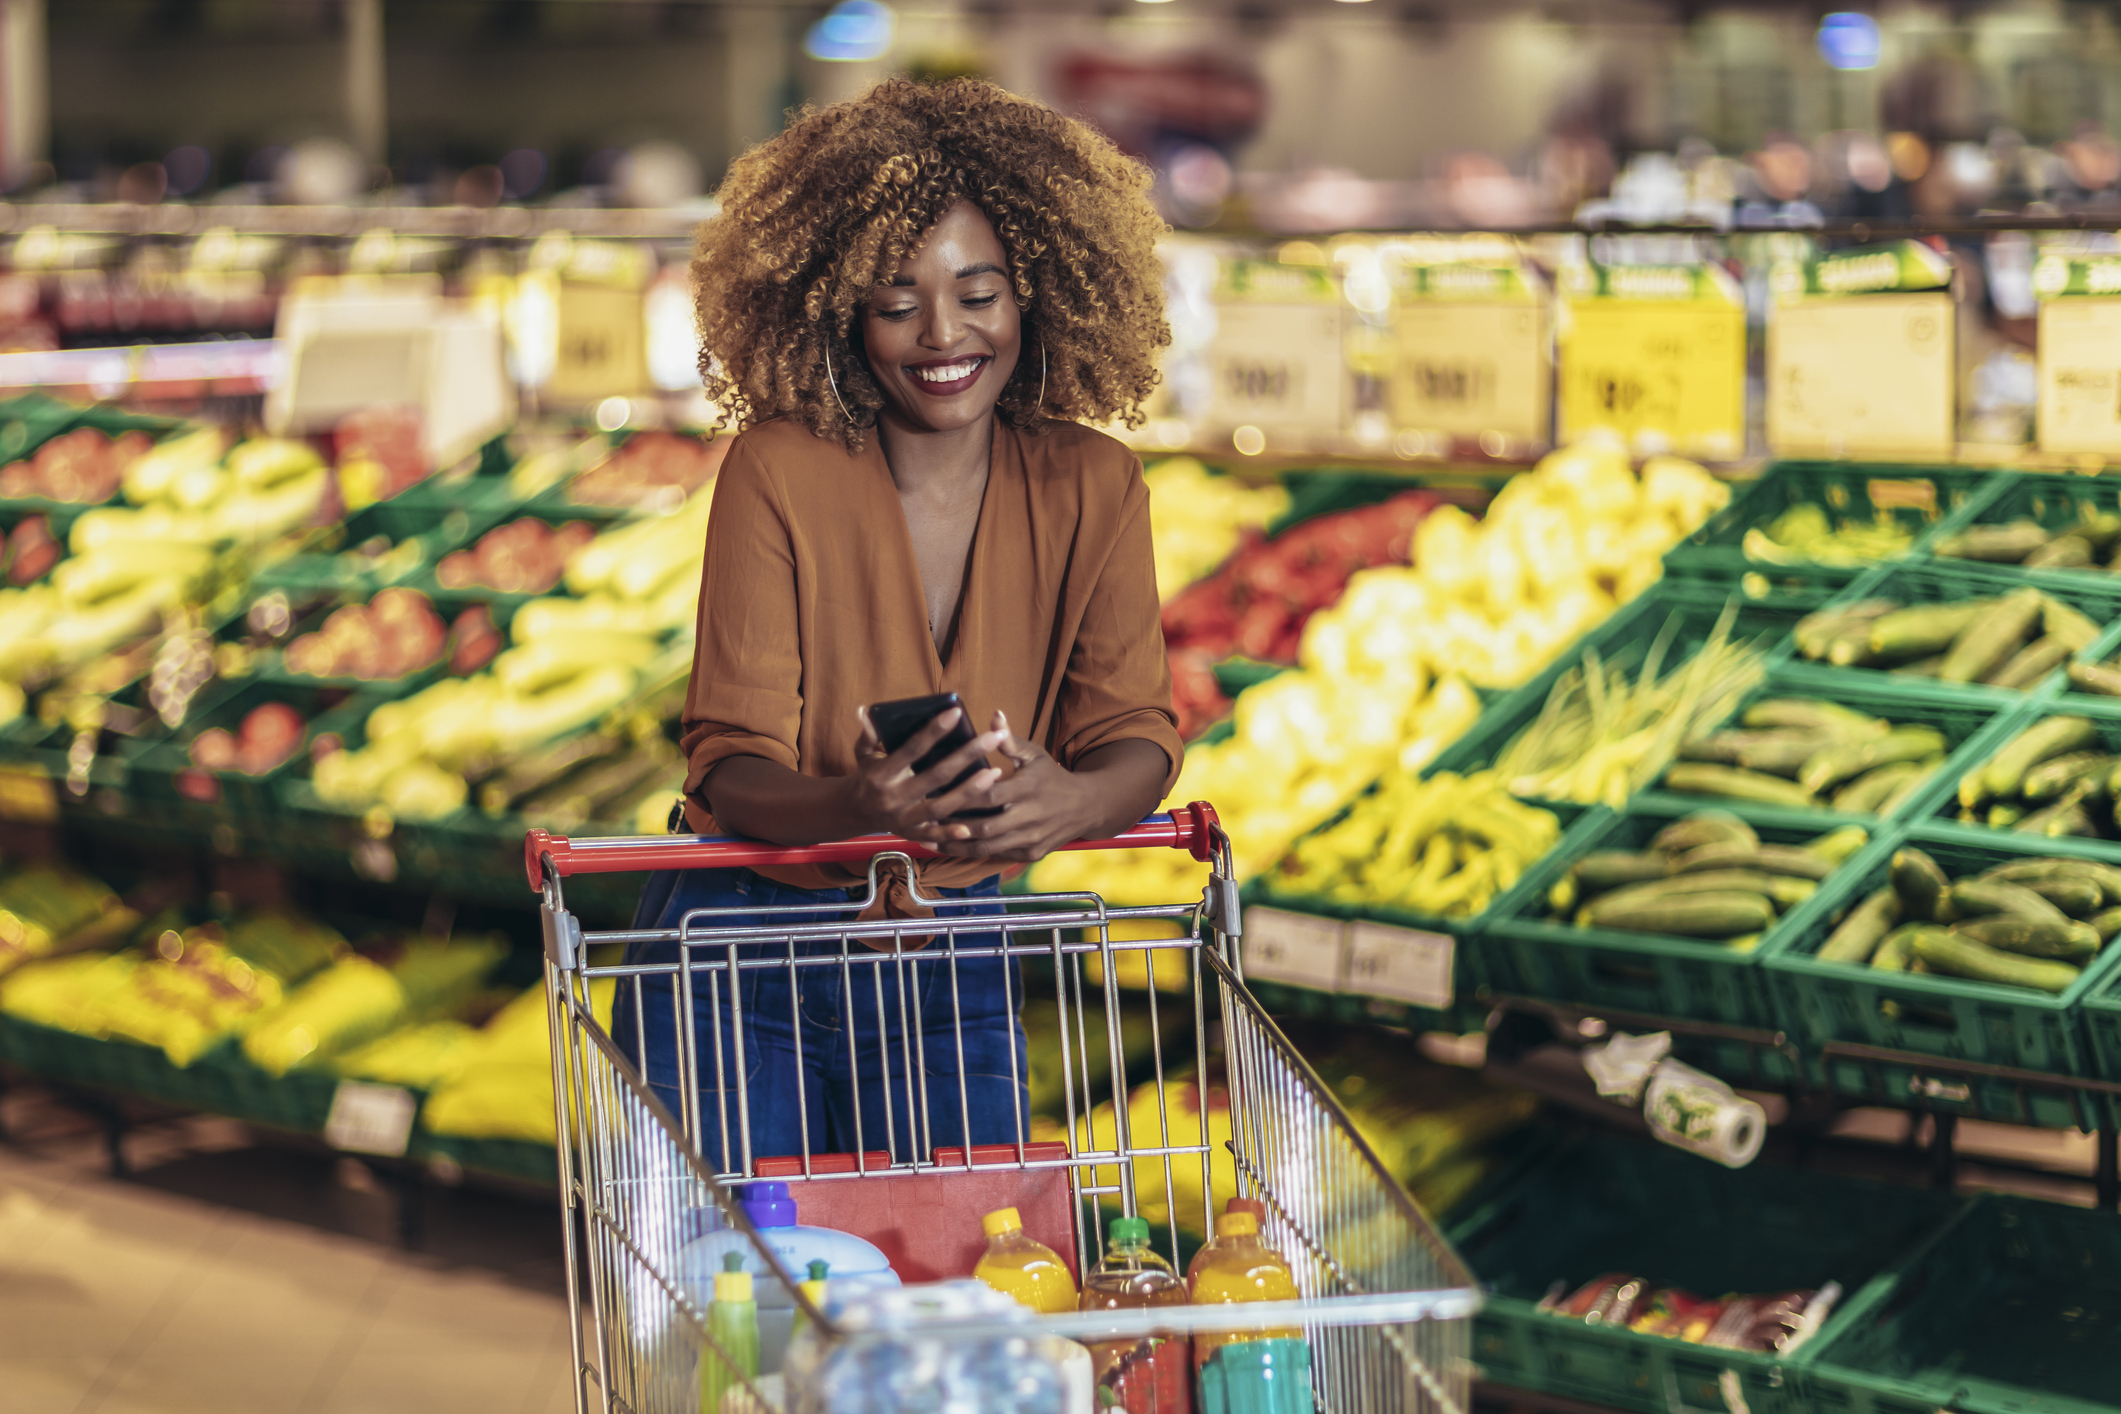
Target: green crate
x=1950, y=1018
x=1324, y=490
x=1920, y=498
x=1523, y=952
x=501, y=604
x=1951, y=581
x=515, y=1159
x=2056, y=501
x=1234, y=675
x=1690, y=611
x=2014, y=1309
x=2100, y=1011
x=1938, y=803
x=1605, y=1204
x=391, y=542
x=1963, y=717
x=164, y=771
x=262, y=632
x=221, y=1081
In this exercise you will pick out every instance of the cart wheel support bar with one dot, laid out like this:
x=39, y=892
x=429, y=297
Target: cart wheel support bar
x=1191, y=828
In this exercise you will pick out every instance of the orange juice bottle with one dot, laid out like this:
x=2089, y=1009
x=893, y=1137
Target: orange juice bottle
x=1239, y=1267
x=1019, y=1265
x=1236, y=1205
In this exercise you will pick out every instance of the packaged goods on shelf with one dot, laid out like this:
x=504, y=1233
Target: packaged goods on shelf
x=504, y=1090
x=356, y=1000
x=41, y=905
x=1197, y=519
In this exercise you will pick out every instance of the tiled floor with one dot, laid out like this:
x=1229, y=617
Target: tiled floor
x=237, y=1279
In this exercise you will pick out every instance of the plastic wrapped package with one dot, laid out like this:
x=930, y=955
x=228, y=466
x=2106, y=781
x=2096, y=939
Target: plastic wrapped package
x=356, y=1001
x=422, y=1057
x=42, y=904
x=504, y=1090
x=1779, y=1321
x=67, y=993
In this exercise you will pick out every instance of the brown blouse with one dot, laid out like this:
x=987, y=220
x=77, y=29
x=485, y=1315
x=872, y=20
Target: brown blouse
x=811, y=606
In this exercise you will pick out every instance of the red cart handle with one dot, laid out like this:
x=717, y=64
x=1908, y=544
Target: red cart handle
x=1191, y=828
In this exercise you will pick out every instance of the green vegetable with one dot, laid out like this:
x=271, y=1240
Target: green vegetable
x=2079, y=898
x=2042, y=741
x=1989, y=640
x=1959, y=956
x=1835, y=846
x=1768, y=858
x=2060, y=620
x=1811, y=714
x=2030, y=664
x=1703, y=827
x=2052, y=777
x=1997, y=544
x=1735, y=783
x=2106, y=924
x=1924, y=629
x=1859, y=934
x=1897, y=948
x=1919, y=882
x=2064, y=552
x=1715, y=915
x=1815, y=631
x=1867, y=792
x=1976, y=898
x=2102, y=679
x=2066, y=816
x=1610, y=868
x=2066, y=939
x=1839, y=763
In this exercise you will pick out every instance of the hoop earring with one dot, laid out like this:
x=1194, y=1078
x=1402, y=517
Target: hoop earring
x=1040, y=405
x=834, y=384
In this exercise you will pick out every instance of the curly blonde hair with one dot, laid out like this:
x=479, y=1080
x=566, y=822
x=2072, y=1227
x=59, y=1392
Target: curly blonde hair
x=813, y=220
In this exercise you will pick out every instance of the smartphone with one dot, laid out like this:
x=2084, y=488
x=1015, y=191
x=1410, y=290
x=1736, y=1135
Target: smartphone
x=896, y=722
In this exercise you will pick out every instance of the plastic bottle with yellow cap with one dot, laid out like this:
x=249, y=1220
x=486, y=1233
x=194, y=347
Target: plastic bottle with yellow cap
x=1238, y=1267
x=1019, y=1265
x=733, y=1321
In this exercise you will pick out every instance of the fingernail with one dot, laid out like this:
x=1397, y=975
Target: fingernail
x=963, y=832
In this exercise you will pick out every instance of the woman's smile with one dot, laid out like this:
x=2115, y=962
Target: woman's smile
x=945, y=378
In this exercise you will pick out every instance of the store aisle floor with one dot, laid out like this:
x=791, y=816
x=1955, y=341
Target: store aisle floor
x=235, y=1279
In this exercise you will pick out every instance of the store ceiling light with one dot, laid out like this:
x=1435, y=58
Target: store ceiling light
x=852, y=31
x=1849, y=41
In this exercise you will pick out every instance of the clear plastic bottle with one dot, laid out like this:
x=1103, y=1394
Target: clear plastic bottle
x=733, y=1320
x=1236, y=1205
x=1236, y=1267
x=1146, y=1374
x=1019, y=1265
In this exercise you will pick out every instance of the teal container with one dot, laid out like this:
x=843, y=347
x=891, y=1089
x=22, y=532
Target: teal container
x=1258, y=1377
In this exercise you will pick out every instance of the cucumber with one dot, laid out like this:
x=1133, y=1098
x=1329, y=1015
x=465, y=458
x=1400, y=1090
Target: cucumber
x=2051, y=778
x=1919, y=882
x=1920, y=668
x=1786, y=891
x=2066, y=816
x=1839, y=763
x=1897, y=948
x=1733, y=783
x=2102, y=529
x=2064, y=552
x=2078, y=898
x=2042, y=741
x=1603, y=869
x=2002, y=815
x=1852, y=649
x=1713, y=881
x=1816, y=630
x=1977, y=898
x=1767, y=858
x=2023, y=871
x=1811, y=714
x=1866, y=925
x=1835, y=846
x=2033, y=937
x=1989, y=640
x=1997, y=544
x=2030, y=664
x=1923, y=629
x=1703, y=827
x=2106, y=923
x=2100, y=679
x=2066, y=622
x=1863, y=795
x=1958, y=956
x=1781, y=753
x=1717, y=915
x=1909, y=786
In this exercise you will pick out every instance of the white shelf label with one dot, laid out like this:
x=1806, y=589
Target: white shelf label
x=370, y=1119
x=1294, y=948
x=2080, y=376
x=1861, y=375
x=1279, y=367
x=1400, y=964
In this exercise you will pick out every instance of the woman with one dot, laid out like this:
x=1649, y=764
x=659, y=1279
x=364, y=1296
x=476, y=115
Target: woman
x=909, y=302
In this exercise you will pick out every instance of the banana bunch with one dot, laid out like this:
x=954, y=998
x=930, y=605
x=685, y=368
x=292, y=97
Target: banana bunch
x=185, y=491
x=1447, y=845
x=639, y=577
x=1197, y=518
x=92, y=603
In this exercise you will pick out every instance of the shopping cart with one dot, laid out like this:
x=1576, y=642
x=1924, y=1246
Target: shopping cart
x=1386, y=1305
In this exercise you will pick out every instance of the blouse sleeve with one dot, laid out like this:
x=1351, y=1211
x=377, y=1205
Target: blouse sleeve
x=1118, y=683
x=746, y=695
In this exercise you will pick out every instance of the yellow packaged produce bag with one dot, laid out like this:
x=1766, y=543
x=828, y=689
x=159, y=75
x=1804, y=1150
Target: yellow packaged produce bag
x=67, y=993
x=185, y=1004
x=495, y=1099
x=43, y=903
x=350, y=1002
x=1150, y=1126
x=421, y=1057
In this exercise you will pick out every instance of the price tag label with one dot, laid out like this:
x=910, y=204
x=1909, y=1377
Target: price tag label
x=1867, y=375
x=1278, y=367
x=1466, y=368
x=603, y=343
x=28, y=794
x=1294, y=948
x=370, y=1119
x=2080, y=376
x=1400, y=964
x=1663, y=374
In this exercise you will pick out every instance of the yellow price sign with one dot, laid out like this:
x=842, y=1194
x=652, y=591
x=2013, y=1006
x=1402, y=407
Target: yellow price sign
x=1863, y=375
x=2080, y=376
x=1466, y=368
x=1662, y=374
x=602, y=343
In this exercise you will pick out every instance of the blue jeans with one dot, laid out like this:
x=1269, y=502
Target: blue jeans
x=825, y=1053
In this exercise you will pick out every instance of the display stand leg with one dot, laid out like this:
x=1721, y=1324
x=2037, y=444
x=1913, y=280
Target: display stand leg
x=409, y=1184
x=1944, y=1160
x=2107, y=1176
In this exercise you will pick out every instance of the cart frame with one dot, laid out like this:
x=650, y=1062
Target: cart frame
x=1386, y=1304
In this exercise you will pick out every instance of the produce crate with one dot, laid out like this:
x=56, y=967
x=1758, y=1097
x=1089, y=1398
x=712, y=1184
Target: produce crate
x=1606, y=1204
x=1524, y=953
x=257, y=643
x=502, y=604
x=1938, y=803
x=165, y=773
x=2014, y=1309
x=2100, y=1012
x=1918, y=498
x=391, y=542
x=1964, y=718
x=1950, y=581
x=1932, y=1015
x=219, y=1082
x=2056, y=501
x=1692, y=612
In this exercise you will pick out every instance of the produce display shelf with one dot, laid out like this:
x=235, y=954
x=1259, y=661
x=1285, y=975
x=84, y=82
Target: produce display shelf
x=1918, y=1015
x=2100, y=1011
x=2014, y=1308
x=1920, y=499
x=1604, y=1204
x=501, y=603
x=1938, y=803
x=1317, y=491
x=164, y=771
x=1526, y=954
x=417, y=536
x=1951, y=581
x=2055, y=500
x=1966, y=720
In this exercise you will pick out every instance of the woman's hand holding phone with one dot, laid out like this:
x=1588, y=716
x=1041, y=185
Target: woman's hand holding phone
x=889, y=795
